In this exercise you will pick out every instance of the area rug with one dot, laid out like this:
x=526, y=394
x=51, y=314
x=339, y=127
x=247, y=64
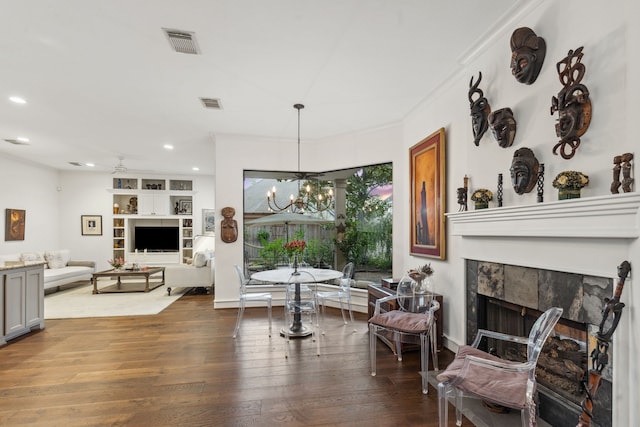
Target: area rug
x=80, y=302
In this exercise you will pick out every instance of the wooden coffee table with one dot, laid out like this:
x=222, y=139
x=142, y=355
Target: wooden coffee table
x=128, y=286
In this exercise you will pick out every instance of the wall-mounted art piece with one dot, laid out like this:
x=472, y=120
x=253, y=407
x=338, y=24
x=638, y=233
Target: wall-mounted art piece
x=14, y=224
x=91, y=225
x=480, y=110
x=208, y=222
x=527, y=55
x=524, y=170
x=228, y=226
x=572, y=104
x=503, y=126
x=427, y=177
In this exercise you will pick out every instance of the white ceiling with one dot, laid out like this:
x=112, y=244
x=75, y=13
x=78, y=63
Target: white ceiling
x=102, y=81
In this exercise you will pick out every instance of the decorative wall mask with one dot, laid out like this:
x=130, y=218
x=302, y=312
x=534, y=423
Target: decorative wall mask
x=524, y=170
x=480, y=110
x=503, y=126
x=572, y=104
x=229, y=226
x=527, y=55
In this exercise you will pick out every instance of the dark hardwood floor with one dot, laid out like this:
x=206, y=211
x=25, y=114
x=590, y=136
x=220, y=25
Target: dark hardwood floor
x=182, y=368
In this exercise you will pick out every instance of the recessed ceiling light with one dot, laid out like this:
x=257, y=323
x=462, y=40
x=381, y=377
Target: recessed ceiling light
x=168, y=147
x=195, y=168
x=22, y=139
x=17, y=100
x=90, y=164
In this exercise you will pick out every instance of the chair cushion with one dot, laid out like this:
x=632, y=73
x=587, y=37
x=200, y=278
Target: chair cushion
x=505, y=387
x=402, y=321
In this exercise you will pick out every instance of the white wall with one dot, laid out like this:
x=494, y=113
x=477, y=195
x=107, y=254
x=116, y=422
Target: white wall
x=32, y=188
x=564, y=25
x=611, y=77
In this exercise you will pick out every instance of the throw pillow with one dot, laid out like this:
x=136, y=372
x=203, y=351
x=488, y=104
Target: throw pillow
x=32, y=257
x=57, y=259
x=200, y=259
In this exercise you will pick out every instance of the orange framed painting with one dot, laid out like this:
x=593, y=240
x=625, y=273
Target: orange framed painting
x=14, y=224
x=427, y=177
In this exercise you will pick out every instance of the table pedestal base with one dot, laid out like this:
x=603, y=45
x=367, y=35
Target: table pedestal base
x=301, y=332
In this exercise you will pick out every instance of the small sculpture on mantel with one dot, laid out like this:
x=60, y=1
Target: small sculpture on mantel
x=503, y=126
x=480, y=110
x=622, y=163
x=462, y=195
x=524, y=170
x=572, y=104
x=527, y=55
x=627, y=181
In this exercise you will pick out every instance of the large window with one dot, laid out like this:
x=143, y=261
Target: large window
x=358, y=231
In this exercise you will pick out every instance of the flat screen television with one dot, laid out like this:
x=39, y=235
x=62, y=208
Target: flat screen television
x=156, y=239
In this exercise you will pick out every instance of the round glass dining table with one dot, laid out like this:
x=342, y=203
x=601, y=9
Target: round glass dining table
x=296, y=277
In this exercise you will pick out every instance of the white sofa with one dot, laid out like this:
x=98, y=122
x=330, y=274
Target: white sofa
x=200, y=273
x=59, y=269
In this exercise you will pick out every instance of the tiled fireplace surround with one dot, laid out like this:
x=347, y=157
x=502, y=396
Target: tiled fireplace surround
x=562, y=253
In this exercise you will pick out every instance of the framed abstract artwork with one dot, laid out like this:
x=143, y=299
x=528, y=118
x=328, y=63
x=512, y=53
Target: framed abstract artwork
x=14, y=224
x=91, y=225
x=208, y=222
x=427, y=178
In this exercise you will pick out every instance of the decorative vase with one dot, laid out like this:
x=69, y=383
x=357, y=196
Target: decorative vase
x=568, y=193
x=295, y=264
x=424, y=286
x=481, y=205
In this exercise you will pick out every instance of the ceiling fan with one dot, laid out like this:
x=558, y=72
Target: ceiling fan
x=120, y=167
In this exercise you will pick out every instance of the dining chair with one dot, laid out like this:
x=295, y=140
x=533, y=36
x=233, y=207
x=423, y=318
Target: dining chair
x=413, y=320
x=340, y=294
x=478, y=374
x=300, y=302
x=249, y=296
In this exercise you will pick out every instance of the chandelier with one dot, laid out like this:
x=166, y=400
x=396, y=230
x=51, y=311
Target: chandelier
x=304, y=201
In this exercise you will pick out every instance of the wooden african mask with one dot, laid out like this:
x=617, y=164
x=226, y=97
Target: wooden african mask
x=527, y=55
x=503, y=126
x=480, y=110
x=524, y=170
x=572, y=104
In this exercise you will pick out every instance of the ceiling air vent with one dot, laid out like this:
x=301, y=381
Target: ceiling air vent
x=213, y=103
x=16, y=141
x=76, y=164
x=182, y=41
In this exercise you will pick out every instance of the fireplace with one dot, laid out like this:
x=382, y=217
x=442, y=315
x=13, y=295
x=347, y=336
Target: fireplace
x=570, y=249
x=509, y=299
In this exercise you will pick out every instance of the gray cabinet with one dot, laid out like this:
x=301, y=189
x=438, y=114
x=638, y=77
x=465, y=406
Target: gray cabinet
x=22, y=302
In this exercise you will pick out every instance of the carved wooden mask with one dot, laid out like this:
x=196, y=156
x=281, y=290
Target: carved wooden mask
x=527, y=55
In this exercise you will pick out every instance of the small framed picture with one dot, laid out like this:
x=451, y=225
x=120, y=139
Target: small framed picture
x=186, y=207
x=91, y=225
x=208, y=221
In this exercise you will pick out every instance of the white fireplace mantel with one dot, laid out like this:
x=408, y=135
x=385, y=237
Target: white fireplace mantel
x=614, y=216
x=589, y=236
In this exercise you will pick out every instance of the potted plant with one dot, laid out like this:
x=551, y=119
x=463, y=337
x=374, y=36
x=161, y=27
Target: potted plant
x=569, y=184
x=482, y=197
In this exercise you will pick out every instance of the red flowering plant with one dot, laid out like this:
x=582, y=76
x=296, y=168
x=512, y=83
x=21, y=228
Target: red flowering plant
x=294, y=247
x=117, y=262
